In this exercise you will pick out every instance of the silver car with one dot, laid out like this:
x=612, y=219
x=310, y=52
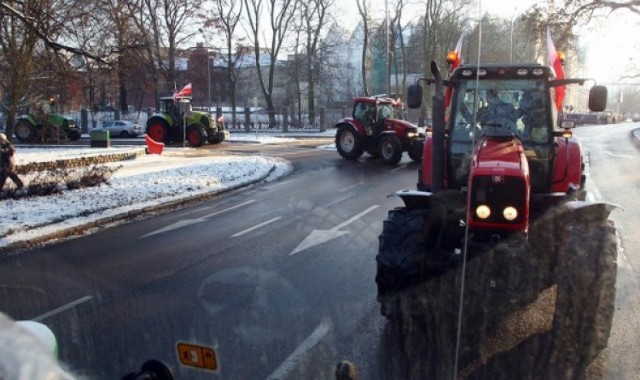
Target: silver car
x=122, y=128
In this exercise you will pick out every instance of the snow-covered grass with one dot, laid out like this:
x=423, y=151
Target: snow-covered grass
x=142, y=183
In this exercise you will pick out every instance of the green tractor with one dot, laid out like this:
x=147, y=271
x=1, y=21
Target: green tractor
x=175, y=114
x=41, y=125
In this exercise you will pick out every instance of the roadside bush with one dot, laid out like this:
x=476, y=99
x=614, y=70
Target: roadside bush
x=55, y=182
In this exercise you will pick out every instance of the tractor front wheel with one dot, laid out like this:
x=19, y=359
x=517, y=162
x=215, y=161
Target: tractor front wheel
x=24, y=131
x=586, y=274
x=349, y=143
x=390, y=149
x=157, y=130
x=415, y=150
x=196, y=135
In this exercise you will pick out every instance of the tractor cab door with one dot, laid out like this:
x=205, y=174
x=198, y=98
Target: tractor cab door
x=519, y=107
x=366, y=114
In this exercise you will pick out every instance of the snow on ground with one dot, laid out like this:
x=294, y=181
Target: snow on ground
x=138, y=184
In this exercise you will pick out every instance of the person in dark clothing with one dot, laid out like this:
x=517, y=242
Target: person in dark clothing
x=7, y=164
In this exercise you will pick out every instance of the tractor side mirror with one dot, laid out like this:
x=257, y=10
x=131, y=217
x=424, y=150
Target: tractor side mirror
x=414, y=96
x=598, y=98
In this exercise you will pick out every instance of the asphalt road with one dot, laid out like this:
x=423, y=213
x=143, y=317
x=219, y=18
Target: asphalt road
x=614, y=179
x=277, y=278
x=265, y=275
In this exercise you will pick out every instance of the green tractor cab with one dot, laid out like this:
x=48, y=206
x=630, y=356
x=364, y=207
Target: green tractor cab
x=175, y=116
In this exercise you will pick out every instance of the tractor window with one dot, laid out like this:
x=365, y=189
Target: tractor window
x=515, y=106
x=364, y=111
x=519, y=107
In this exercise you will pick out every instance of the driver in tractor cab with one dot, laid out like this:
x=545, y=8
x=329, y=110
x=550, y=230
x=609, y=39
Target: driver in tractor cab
x=497, y=112
x=367, y=115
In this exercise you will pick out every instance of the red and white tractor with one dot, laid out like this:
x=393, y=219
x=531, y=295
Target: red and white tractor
x=498, y=219
x=373, y=128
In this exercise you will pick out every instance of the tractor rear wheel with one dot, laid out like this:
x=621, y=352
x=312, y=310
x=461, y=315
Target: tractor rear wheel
x=24, y=131
x=196, y=135
x=349, y=143
x=586, y=275
x=157, y=130
x=390, y=149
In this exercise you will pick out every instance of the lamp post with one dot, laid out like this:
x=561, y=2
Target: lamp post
x=206, y=41
x=513, y=19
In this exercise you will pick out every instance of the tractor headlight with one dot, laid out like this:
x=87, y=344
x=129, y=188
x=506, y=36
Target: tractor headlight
x=510, y=213
x=483, y=211
x=412, y=134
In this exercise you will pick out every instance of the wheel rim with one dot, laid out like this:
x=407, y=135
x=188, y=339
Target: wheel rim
x=193, y=136
x=156, y=132
x=347, y=141
x=387, y=150
x=23, y=131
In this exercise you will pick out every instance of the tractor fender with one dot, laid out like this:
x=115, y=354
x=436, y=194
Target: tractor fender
x=569, y=166
x=168, y=119
x=590, y=211
x=352, y=124
x=414, y=199
x=27, y=117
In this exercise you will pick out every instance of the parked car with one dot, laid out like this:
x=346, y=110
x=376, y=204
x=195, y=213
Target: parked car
x=122, y=128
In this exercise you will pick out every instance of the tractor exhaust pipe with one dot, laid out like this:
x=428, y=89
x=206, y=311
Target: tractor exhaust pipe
x=438, y=127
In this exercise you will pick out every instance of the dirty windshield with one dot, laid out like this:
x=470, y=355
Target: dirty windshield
x=319, y=189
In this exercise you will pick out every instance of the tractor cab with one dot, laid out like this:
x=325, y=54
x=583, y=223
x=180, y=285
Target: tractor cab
x=510, y=104
x=372, y=112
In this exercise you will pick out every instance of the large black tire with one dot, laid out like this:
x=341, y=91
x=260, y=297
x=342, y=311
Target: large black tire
x=24, y=131
x=73, y=135
x=390, y=149
x=349, y=143
x=196, y=135
x=416, y=150
x=401, y=250
x=586, y=276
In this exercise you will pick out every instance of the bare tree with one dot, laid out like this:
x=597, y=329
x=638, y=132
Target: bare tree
x=280, y=14
x=314, y=17
x=364, y=13
x=29, y=31
x=228, y=15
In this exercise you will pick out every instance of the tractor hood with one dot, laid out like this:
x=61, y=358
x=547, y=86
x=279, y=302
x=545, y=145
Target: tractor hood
x=504, y=153
x=499, y=186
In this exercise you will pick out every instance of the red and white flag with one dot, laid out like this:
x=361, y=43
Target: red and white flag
x=556, y=62
x=185, y=92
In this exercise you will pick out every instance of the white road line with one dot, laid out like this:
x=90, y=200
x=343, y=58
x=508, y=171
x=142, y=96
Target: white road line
x=616, y=155
x=350, y=187
x=255, y=227
x=229, y=208
x=399, y=168
x=62, y=308
x=290, y=363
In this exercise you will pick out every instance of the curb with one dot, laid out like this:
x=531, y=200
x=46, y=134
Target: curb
x=125, y=216
x=80, y=161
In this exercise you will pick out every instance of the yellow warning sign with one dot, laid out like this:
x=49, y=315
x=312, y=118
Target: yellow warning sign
x=194, y=355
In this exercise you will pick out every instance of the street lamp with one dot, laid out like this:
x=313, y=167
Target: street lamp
x=513, y=18
x=206, y=42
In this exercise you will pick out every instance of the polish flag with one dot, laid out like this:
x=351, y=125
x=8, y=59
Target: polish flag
x=556, y=61
x=185, y=92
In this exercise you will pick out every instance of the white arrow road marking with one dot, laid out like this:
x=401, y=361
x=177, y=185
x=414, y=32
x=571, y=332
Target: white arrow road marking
x=256, y=227
x=322, y=236
x=187, y=222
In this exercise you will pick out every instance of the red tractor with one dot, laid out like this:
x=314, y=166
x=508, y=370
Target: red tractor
x=374, y=129
x=499, y=218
